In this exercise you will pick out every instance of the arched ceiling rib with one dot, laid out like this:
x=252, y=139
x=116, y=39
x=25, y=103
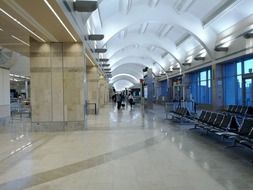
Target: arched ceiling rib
x=128, y=77
x=144, y=40
x=132, y=69
x=122, y=84
x=161, y=14
x=138, y=61
x=138, y=52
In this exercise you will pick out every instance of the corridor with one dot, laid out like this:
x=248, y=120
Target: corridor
x=120, y=150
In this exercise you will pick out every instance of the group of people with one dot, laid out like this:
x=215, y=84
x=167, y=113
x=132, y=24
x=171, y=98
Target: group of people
x=120, y=99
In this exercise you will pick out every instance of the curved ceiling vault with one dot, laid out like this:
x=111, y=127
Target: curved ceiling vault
x=152, y=33
x=128, y=77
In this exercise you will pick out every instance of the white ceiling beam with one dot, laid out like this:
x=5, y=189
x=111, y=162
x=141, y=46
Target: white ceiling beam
x=183, y=5
x=153, y=3
x=125, y=6
x=143, y=28
x=164, y=30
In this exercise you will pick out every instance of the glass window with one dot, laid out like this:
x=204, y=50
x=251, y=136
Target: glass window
x=203, y=75
x=233, y=83
x=163, y=88
x=239, y=68
x=201, y=89
x=248, y=66
x=209, y=74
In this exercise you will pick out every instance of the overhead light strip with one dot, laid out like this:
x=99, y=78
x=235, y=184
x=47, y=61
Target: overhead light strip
x=56, y=15
x=20, y=40
x=18, y=22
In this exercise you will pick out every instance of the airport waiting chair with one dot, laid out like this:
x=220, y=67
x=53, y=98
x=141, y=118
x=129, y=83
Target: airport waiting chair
x=244, y=110
x=243, y=131
x=249, y=142
x=223, y=125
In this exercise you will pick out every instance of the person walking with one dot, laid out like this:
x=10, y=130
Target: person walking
x=131, y=100
x=119, y=100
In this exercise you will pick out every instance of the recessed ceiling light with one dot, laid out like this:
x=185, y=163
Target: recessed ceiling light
x=14, y=19
x=20, y=40
x=1, y=29
x=56, y=15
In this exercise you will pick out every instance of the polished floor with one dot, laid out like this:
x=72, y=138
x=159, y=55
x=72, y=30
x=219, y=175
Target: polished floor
x=120, y=150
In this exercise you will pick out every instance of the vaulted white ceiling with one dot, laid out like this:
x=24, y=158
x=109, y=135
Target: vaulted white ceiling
x=160, y=33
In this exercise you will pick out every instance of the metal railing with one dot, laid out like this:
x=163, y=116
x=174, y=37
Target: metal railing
x=20, y=108
x=91, y=106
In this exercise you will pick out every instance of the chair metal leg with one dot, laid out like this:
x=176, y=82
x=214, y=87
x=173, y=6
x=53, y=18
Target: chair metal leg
x=234, y=145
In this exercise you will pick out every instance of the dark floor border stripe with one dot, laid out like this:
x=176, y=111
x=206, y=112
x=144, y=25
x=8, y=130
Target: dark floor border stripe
x=64, y=171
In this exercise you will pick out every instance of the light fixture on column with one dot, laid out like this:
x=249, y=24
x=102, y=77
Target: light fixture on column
x=108, y=75
x=99, y=50
x=145, y=69
x=248, y=35
x=220, y=48
x=85, y=6
x=105, y=65
x=96, y=37
x=103, y=60
x=186, y=64
x=201, y=56
x=198, y=58
x=175, y=68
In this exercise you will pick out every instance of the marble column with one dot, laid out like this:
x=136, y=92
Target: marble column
x=93, y=88
x=150, y=85
x=27, y=94
x=102, y=91
x=186, y=81
x=217, y=87
x=107, y=96
x=58, y=75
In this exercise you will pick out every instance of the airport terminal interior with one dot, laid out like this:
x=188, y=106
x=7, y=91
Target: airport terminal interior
x=126, y=94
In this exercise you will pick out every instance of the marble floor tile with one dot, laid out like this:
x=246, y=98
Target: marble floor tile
x=127, y=149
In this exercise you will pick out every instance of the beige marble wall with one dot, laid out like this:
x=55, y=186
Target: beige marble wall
x=74, y=74
x=57, y=82
x=4, y=93
x=103, y=91
x=107, y=97
x=93, y=93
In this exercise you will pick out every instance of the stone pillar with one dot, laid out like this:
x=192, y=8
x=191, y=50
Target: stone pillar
x=26, y=89
x=150, y=85
x=58, y=76
x=170, y=89
x=186, y=87
x=93, y=89
x=102, y=91
x=4, y=93
x=107, y=96
x=217, y=87
x=157, y=89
